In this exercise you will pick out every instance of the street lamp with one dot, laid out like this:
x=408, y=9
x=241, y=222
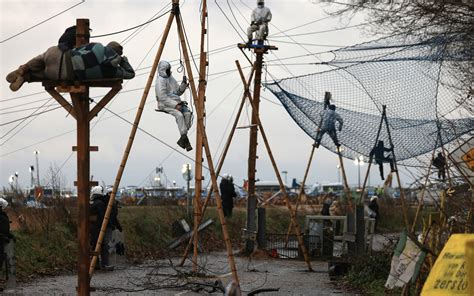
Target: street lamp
x=187, y=175
x=285, y=173
x=36, y=152
x=359, y=161
x=32, y=171
x=338, y=173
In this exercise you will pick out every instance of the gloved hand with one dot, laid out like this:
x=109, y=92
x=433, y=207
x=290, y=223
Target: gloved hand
x=185, y=79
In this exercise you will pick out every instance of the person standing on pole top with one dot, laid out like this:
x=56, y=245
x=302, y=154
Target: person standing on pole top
x=259, y=20
x=329, y=117
x=167, y=95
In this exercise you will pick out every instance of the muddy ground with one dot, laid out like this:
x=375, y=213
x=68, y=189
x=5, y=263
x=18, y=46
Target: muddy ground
x=162, y=278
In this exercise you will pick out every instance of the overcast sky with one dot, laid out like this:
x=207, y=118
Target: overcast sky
x=53, y=133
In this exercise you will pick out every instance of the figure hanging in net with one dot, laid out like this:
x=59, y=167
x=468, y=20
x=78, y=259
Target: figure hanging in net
x=378, y=154
x=259, y=20
x=329, y=117
x=439, y=162
x=167, y=95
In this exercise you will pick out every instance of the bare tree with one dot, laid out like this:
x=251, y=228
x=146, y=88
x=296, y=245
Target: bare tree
x=425, y=19
x=55, y=179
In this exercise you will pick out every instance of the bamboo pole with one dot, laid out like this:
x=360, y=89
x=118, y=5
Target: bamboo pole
x=290, y=227
x=132, y=137
x=421, y=202
x=198, y=159
x=361, y=197
x=200, y=125
x=344, y=178
x=277, y=173
x=219, y=166
x=402, y=194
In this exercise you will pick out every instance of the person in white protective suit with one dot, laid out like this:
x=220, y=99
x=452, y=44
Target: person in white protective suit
x=259, y=20
x=167, y=95
x=328, y=125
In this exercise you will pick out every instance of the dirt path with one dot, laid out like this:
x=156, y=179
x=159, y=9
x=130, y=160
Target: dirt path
x=290, y=277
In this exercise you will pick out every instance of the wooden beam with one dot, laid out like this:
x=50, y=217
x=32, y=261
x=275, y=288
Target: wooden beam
x=91, y=148
x=105, y=100
x=131, y=138
x=62, y=101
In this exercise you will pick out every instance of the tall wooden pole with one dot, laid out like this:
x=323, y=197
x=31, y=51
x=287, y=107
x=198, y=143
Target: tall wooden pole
x=198, y=160
x=402, y=194
x=200, y=125
x=361, y=197
x=300, y=193
x=219, y=167
x=421, y=201
x=277, y=173
x=252, y=160
x=81, y=105
x=131, y=138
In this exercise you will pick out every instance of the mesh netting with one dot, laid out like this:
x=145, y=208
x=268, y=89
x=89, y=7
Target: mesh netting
x=414, y=80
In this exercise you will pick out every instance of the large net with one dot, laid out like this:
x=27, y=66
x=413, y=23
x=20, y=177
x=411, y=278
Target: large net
x=416, y=80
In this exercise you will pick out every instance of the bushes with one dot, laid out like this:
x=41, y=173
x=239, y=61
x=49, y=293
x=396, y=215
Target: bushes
x=369, y=273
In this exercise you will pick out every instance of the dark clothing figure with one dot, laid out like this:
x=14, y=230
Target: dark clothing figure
x=7, y=247
x=325, y=209
x=227, y=195
x=5, y=226
x=374, y=207
x=113, y=220
x=328, y=125
x=378, y=154
x=97, y=209
x=440, y=163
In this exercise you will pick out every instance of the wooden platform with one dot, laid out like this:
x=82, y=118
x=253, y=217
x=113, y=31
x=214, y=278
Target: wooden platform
x=80, y=86
x=257, y=46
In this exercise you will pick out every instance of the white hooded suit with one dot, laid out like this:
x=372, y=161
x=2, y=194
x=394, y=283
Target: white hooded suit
x=260, y=18
x=167, y=95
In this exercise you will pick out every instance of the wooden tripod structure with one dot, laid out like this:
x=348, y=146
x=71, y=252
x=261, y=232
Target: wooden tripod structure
x=256, y=123
x=79, y=110
x=202, y=141
x=383, y=120
x=303, y=183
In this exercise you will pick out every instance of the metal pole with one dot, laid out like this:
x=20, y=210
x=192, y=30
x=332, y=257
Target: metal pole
x=37, y=168
x=81, y=106
x=252, y=160
x=131, y=138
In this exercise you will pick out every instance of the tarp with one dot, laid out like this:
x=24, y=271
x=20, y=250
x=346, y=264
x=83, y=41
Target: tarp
x=449, y=275
x=406, y=262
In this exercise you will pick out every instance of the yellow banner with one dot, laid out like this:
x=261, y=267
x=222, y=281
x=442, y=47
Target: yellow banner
x=449, y=275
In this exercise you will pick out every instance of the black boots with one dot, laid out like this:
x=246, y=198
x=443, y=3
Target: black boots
x=184, y=143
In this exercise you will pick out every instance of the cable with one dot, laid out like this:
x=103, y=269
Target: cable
x=233, y=15
x=323, y=31
x=26, y=109
x=42, y=22
x=136, y=32
x=132, y=28
x=220, y=8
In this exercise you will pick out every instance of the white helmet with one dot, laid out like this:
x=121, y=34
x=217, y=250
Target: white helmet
x=225, y=176
x=97, y=190
x=3, y=203
x=109, y=190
